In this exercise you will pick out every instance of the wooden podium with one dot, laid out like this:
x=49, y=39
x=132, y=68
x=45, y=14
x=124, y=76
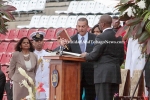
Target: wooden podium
x=64, y=77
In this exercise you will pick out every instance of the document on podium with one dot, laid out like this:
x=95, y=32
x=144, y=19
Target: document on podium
x=70, y=53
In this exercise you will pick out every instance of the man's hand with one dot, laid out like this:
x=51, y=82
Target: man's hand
x=83, y=54
x=62, y=42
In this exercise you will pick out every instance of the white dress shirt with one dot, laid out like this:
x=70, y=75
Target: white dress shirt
x=85, y=39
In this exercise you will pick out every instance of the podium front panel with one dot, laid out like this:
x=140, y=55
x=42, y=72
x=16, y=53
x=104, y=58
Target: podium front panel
x=68, y=83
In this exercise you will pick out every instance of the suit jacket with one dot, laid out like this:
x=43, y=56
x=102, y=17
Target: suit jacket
x=108, y=57
x=17, y=61
x=147, y=74
x=2, y=84
x=87, y=70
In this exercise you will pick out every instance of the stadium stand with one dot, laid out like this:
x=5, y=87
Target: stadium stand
x=49, y=23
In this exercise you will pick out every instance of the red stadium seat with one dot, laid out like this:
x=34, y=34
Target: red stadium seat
x=11, y=47
x=31, y=30
x=3, y=37
x=22, y=33
x=5, y=60
x=55, y=45
x=71, y=31
x=12, y=34
x=4, y=97
x=75, y=31
x=3, y=46
x=57, y=30
x=0, y=56
x=48, y=45
x=42, y=29
x=4, y=69
x=50, y=34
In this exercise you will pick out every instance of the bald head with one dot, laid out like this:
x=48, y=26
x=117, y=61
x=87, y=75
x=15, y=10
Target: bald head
x=106, y=19
x=105, y=22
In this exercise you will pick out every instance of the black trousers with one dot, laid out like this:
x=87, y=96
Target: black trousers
x=107, y=91
x=8, y=90
x=2, y=84
x=89, y=90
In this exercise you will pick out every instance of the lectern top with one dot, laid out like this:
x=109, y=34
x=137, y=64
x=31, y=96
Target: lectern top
x=65, y=57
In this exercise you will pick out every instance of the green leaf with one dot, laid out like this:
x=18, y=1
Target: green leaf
x=147, y=27
x=133, y=21
x=143, y=38
x=124, y=1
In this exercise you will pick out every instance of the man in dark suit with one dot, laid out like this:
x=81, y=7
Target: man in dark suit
x=2, y=84
x=82, y=42
x=147, y=77
x=108, y=55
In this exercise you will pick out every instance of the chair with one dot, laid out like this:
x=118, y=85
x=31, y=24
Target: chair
x=5, y=60
x=80, y=8
x=70, y=21
x=3, y=37
x=3, y=47
x=4, y=69
x=32, y=5
x=96, y=20
x=23, y=6
x=48, y=45
x=1, y=55
x=16, y=4
x=22, y=33
x=90, y=19
x=43, y=21
x=40, y=5
x=12, y=35
x=11, y=47
x=31, y=30
x=50, y=34
x=34, y=21
x=55, y=45
x=52, y=21
x=99, y=8
x=71, y=31
x=42, y=29
x=61, y=21
x=89, y=7
x=72, y=7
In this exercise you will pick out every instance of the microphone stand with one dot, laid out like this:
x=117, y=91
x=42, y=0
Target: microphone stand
x=61, y=51
x=140, y=77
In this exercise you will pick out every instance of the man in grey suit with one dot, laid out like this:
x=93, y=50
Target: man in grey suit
x=82, y=42
x=108, y=54
x=2, y=84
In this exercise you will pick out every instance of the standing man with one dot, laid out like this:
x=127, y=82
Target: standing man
x=82, y=42
x=116, y=23
x=42, y=74
x=108, y=55
x=2, y=84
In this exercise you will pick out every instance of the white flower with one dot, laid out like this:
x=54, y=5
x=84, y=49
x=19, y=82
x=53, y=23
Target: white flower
x=130, y=12
x=30, y=80
x=141, y=4
x=28, y=97
x=24, y=82
x=22, y=72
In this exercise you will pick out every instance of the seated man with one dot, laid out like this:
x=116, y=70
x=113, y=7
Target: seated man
x=2, y=84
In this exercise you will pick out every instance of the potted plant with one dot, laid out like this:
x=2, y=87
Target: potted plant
x=5, y=16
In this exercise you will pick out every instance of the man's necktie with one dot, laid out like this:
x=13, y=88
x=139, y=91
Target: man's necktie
x=82, y=45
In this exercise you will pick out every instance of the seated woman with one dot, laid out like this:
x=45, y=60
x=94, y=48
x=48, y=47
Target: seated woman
x=96, y=30
x=25, y=58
